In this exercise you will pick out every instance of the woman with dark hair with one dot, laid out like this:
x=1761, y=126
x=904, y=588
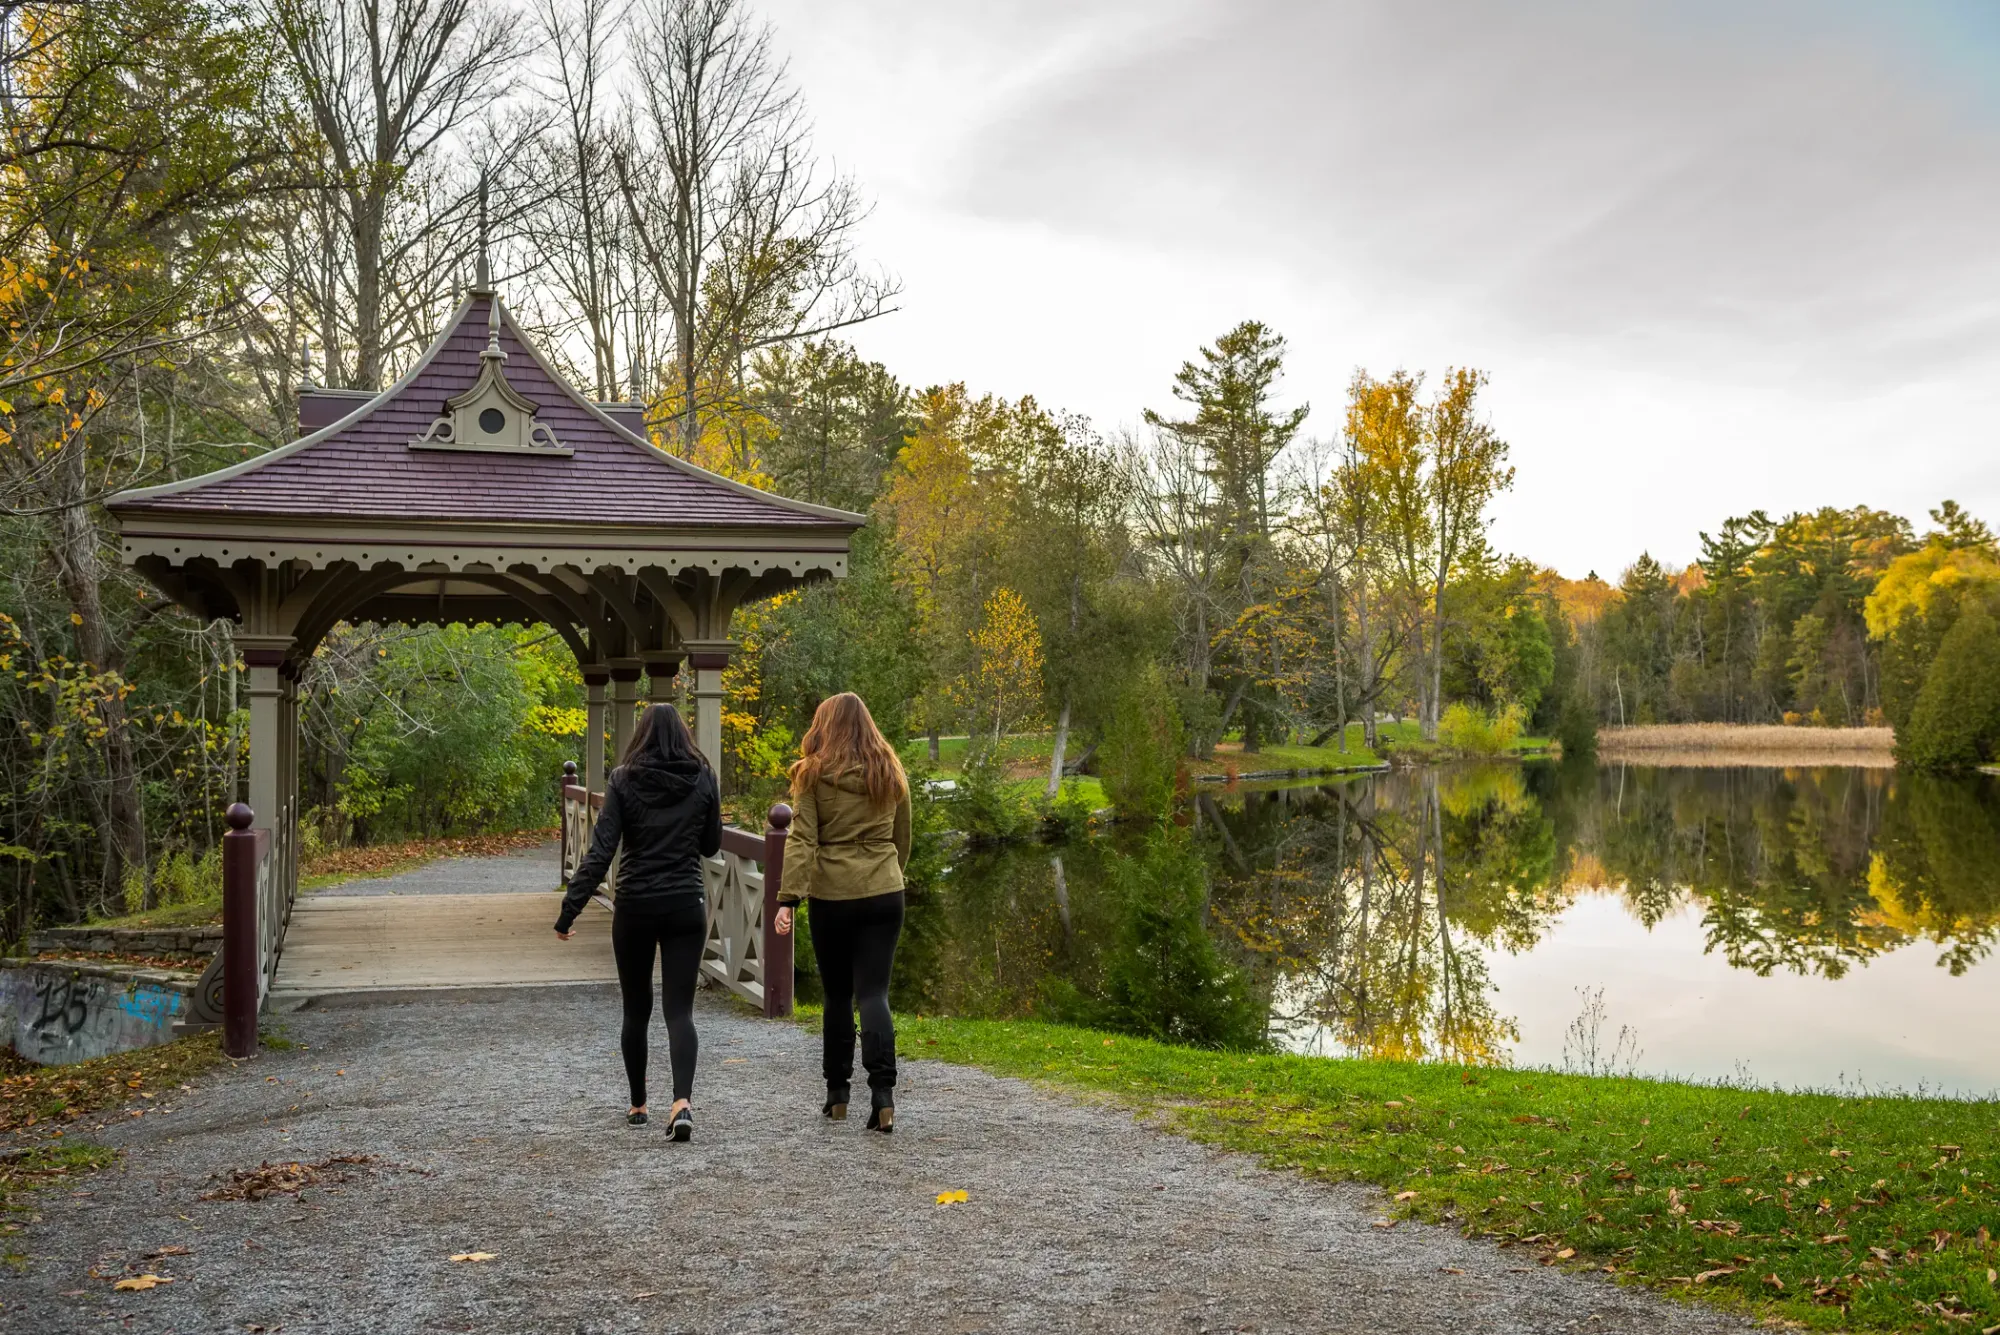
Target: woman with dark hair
x=849, y=843
x=662, y=804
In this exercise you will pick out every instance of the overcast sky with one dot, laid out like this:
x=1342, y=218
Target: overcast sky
x=1715, y=256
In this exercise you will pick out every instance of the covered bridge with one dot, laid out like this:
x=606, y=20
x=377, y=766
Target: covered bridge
x=480, y=487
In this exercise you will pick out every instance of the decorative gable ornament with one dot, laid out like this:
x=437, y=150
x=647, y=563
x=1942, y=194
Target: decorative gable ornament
x=492, y=415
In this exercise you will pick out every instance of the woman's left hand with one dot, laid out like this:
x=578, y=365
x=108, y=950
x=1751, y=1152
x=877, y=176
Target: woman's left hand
x=783, y=922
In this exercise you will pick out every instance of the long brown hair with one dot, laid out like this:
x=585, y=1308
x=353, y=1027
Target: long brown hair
x=843, y=737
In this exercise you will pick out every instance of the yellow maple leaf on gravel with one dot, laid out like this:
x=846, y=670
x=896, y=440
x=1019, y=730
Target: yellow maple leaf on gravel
x=474, y=1256
x=952, y=1197
x=140, y=1282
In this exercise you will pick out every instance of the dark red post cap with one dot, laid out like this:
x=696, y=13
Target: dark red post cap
x=781, y=816
x=241, y=817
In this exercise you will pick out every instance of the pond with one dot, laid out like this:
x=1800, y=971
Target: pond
x=1826, y=928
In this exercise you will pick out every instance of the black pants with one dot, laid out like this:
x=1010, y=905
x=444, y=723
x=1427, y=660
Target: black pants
x=675, y=935
x=854, y=941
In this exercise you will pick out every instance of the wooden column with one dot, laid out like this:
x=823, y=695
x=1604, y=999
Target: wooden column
x=594, y=681
x=624, y=696
x=662, y=669
x=264, y=655
x=708, y=659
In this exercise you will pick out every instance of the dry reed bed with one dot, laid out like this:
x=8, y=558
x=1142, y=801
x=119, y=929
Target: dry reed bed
x=1747, y=744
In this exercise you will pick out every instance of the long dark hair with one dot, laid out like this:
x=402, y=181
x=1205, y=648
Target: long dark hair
x=662, y=737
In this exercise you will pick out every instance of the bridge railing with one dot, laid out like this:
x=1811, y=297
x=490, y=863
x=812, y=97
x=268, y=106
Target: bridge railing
x=744, y=952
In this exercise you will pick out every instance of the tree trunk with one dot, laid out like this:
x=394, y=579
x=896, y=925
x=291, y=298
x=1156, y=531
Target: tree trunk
x=368, y=294
x=1062, y=741
x=935, y=756
x=1369, y=689
x=1434, y=686
x=77, y=571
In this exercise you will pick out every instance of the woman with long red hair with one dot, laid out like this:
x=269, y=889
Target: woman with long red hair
x=849, y=843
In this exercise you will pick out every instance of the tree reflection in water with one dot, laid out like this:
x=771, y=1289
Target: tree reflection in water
x=1365, y=911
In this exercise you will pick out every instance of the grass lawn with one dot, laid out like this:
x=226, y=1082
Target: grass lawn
x=1834, y=1212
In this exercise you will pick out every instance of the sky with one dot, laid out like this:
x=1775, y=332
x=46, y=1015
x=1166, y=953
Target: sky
x=1715, y=256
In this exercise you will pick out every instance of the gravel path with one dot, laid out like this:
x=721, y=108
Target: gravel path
x=500, y=1127
x=505, y=874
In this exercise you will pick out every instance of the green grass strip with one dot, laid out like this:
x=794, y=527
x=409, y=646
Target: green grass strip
x=1835, y=1212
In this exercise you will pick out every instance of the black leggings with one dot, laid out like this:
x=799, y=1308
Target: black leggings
x=676, y=936
x=854, y=941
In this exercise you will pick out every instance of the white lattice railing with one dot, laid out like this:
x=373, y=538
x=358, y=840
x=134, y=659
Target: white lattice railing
x=744, y=952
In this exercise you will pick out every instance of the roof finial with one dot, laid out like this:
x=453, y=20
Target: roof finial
x=482, y=279
x=493, y=348
x=305, y=363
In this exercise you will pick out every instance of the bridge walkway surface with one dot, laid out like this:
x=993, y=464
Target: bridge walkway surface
x=492, y=1121
x=460, y=923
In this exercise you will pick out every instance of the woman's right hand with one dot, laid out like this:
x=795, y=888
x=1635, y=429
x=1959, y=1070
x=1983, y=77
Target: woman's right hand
x=783, y=922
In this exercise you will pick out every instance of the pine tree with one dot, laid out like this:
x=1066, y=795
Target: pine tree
x=1956, y=722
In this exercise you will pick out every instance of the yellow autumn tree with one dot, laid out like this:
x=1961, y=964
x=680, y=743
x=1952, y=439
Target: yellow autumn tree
x=933, y=510
x=1001, y=689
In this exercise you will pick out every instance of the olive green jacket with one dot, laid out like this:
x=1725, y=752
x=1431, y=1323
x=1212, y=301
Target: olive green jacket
x=842, y=846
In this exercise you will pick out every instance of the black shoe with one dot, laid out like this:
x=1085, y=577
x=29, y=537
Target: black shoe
x=835, y=1109
x=882, y=1116
x=681, y=1128
x=635, y=1119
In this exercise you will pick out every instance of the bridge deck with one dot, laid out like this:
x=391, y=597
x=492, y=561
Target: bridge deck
x=461, y=923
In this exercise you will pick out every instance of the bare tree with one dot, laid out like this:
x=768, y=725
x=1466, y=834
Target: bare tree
x=748, y=242
x=384, y=84
x=1174, y=503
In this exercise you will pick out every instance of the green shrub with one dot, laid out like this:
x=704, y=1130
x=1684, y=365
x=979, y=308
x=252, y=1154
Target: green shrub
x=1069, y=810
x=988, y=807
x=1474, y=732
x=1142, y=746
x=1164, y=977
x=1956, y=722
x=1576, y=728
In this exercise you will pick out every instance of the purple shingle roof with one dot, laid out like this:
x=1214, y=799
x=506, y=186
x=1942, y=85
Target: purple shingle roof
x=363, y=467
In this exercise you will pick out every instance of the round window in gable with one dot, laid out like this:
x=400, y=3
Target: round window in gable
x=491, y=421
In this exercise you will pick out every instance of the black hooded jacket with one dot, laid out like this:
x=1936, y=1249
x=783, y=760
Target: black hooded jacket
x=668, y=815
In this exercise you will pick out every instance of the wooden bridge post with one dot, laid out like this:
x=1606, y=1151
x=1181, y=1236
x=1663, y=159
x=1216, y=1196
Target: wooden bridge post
x=242, y=987
x=562, y=818
x=777, y=949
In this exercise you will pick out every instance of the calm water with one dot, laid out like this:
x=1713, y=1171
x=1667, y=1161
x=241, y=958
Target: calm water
x=1811, y=927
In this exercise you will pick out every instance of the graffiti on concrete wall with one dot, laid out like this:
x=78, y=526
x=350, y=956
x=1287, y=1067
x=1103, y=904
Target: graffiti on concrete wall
x=54, y=1013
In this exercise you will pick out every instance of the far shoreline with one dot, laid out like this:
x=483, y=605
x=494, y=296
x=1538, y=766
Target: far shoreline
x=1739, y=744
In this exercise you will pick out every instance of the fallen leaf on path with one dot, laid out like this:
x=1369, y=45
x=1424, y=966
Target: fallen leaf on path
x=650, y=1293
x=475, y=1256
x=269, y=1179
x=1565, y=1253
x=1406, y=1195
x=1385, y=1223
x=139, y=1283
x=957, y=1197
x=1775, y=1282
x=1717, y=1273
